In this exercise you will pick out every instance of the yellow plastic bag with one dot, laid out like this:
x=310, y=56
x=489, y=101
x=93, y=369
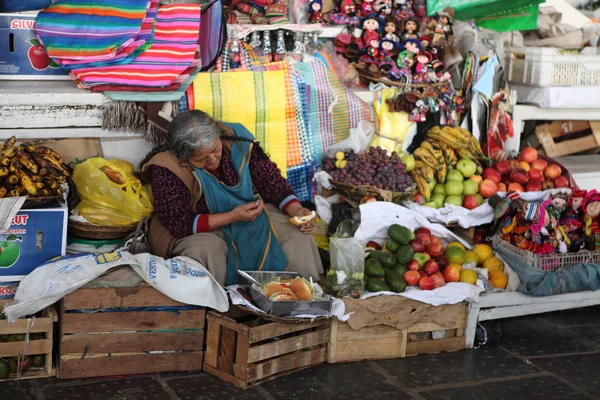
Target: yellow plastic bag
x=392, y=127
x=110, y=193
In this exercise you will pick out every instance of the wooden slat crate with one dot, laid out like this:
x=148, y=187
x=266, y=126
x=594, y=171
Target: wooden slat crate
x=569, y=137
x=120, y=340
x=41, y=342
x=383, y=342
x=246, y=350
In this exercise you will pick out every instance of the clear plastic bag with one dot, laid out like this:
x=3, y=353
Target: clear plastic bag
x=347, y=274
x=110, y=193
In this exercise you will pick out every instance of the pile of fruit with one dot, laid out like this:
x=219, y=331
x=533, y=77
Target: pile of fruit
x=419, y=259
x=373, y=168
x=10, y=365
x=26, y=170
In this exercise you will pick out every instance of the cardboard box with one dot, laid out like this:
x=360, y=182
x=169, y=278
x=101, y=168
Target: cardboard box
x=21, y=55
x=34, y=237
x=563, y=138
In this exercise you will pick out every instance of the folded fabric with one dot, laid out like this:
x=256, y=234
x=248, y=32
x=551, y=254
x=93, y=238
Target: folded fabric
x=171, y=53
x=79, y=29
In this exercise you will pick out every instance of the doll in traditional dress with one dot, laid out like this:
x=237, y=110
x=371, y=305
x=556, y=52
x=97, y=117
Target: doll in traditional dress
x=411, y=29
x=591, y=218
x=572, y=221
x=371, y=52
x=425, y=42
x=383, y=7
x=371, y=26
x=540, y=227
x=443, y=31
x=315, y=8
x=421, y=69
x=391, y=29
x=366, y=7
x=348, y=7
x=408, y=50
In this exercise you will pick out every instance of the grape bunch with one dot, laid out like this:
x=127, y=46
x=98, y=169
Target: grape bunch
x=373, y=168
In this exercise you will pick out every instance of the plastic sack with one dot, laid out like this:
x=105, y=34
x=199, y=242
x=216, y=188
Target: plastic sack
x=358, y=140
x=392, y=127
x=346, y=275
x=110, y=193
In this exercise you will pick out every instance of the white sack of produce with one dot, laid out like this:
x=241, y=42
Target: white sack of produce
x=180, y=278
x=452, y=214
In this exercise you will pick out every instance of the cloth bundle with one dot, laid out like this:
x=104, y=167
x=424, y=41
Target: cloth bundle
x=259, y=12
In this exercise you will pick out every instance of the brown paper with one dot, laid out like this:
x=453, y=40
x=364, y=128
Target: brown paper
x=400, y=312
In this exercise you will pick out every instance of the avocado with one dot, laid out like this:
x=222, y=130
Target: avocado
x=404, y=254
x=391, y=246
x=400, y=234
x=38, y=360
x=386, y=259
x=373, y=268
x=395, y=281
x=400, y=269
x=377, y=285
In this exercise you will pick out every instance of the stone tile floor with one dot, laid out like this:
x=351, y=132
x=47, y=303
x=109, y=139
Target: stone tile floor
x=554, y=356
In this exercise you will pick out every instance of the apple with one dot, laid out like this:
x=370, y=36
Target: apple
x=536, y=174
x=435, y=248
x=408, y=161
x=454, y=175
x=374, y=245
x=520, y=176
x=524, y=165
x=451, y=274
x=440, y=188
x=431, y=267
x=421, y=258
x=539, y=164
x=533, y=186
x=502, y=187
x=439, y=199
x=502, y=167
x=466, y=167
x=430, y=204
x=547, y=185
x=424, y=234
x=417, y=245
x=529, y=155
x=480, y=236
x=480, y=198
x=455, y=200
x=553, y=171
x=476, y=178
x=413, y=265
x=506, y=180
x=454, y=188
x=438, y=279
x=471, y=202
x=513, y=164
x=515, y=187
x=432, y=184
x=493, y=174
x=561, y=182
x=488, y=188
x=422, y=273
x=426, y=283
x=412, y=278
x=442, y=261
x=418, y=198
x=470, y=187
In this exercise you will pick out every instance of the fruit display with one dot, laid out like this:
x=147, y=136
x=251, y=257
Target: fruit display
x=26, y=170
x=374, y=168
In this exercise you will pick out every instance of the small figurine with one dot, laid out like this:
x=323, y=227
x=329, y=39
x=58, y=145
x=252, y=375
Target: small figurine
x=315, y=7
x=280, y=50
x=235, y=58
x=391, y=29
x=371, y=27
x=371, y=52
x=387, y=50
x=383, y=7
x=572, y=221
x=411, y=29
x=425, y=42
x=541, y=226
x=591, y=218
x=408, y=50
x=443, y=30
x=348, y=7
x=366, y=7
x=421, y=70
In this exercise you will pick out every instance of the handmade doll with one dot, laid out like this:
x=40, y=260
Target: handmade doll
x=541, y=226
x=348, y=7
x=371, y=52
x=391, y=29
x=591, y=218
x=443, y=31
x=315, y=7
x=419, y=113
x=366, y=7
x=408, y=50
x=425, y=42
x=411, y=29
x=371, y=26
x=383, y=7
x=387, y=50
x=421, y=69
x=571, y=223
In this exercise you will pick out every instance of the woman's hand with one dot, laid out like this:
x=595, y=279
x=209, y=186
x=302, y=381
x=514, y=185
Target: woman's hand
x=248, y=212
x=299, y=211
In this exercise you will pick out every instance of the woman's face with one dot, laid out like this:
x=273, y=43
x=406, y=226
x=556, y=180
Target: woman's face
x=208, y=158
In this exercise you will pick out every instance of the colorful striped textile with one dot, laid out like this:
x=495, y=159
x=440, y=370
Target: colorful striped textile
x=212, y=32
x=171, y=53
x=79, y=29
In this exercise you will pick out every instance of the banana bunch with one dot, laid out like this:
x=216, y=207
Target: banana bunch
x=439, y=153
x=27, y=170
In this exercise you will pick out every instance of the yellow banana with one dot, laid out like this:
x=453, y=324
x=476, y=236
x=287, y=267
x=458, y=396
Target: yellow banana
x=421, y=183
x=38, y=185
x=14, y=193
x=28, y=147
x=3, y=191
x=12, y=179
x=453, y=132
x=447, y=139
x=441, y=173
x=427, y=172
x=28, y=163
x=426, y=156
x=449, y=156
x=465, y=153
x=26, y=182
x=434, y=149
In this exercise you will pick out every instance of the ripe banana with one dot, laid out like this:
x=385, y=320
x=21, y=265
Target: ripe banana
x=26, y=182
x=426, y=156
x=3, y=191
x=447, y=139
x=28, y=163
x=38, y=185
x=422, y=184
x=14, y=193
x=12, y=179
x=435, y=150
x=441, y=173
x=427, y=172
x=449, y=156
x=28, y=147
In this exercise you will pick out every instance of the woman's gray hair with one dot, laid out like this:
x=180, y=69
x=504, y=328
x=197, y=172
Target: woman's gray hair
x=190, y=131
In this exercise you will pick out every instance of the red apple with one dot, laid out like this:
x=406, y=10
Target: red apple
x=539, y=164
x=547, y=185
x=417, y=245
x=442, y=261
x=515, y=187
x=533, y=186
x=524, y=165
x=424, y=234
x=438, y=279
x=426, y=283
x=506, y=180
x=451, y=274
x=502, y=167
x=513, y=164
x=413, y=265
x=493, y=174
x=471, y=202
x=431, y=267
x=435, y=248
x=553, y=171
x=412, y=278
x=536, y=174
x=520, y=176
x=488, y=188
x=561, y=182
x=422, y=274
x=480, y=236
x=374, y=245
x=502, y=187
x=529, y=155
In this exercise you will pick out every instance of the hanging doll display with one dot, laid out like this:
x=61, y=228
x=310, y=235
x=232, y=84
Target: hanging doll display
x=315, y=9
x=403, y=9
x=591, y=219
x=500, y=127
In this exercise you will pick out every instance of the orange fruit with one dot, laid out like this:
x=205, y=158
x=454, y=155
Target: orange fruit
x=493, y=264
x=456, y=244
x=471, y=257
x=468, y=276
x=498, y=279
x=455, y=255
x=483, y=251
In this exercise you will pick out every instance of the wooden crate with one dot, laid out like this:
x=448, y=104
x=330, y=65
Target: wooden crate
x=246, y=350
x=43, y=326
x=120, y=339
x=382, y=342
x=562, y=138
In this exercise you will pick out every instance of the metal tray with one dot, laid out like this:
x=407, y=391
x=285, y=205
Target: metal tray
x=290, y=308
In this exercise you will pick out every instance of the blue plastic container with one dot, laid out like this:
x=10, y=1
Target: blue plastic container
x=23, y=5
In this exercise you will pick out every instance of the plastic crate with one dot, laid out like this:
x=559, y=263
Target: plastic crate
x=546, y=66
x=550, y=262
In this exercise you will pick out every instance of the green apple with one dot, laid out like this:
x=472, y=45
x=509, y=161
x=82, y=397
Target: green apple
x=439, y=199
x=454, y=188
x=431, y=204
x=409, y=161
x=440, y=188
x=455, y=175
x=421, y=258
x=455, y=200
x=9, y=254
x=432, y=184
x=470, y=187
x=480, y=198
x=467, y=167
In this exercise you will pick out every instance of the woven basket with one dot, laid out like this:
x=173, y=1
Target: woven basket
x=88, y=231
x=355, y=193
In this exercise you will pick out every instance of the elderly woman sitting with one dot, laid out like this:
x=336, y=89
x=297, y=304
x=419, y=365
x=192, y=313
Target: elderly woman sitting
x=220, y=200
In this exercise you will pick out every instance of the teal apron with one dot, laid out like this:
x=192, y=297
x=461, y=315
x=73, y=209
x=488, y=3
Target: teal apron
x=251, y=246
